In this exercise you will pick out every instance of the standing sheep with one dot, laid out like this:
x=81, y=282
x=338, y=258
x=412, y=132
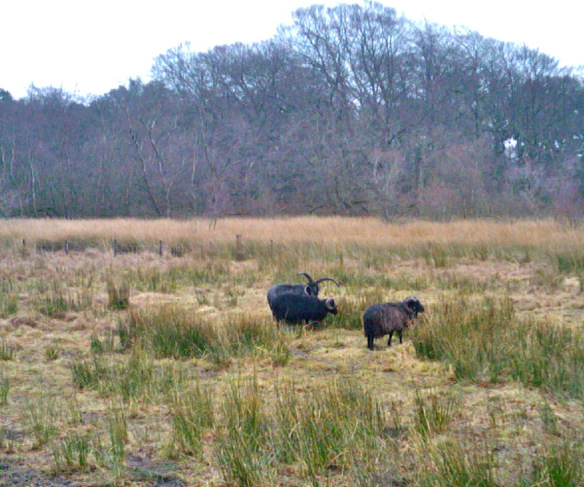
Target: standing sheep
x=298, y=308
x=384, y=319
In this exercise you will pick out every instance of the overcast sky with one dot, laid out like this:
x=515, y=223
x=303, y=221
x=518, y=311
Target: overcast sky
x=92, y=47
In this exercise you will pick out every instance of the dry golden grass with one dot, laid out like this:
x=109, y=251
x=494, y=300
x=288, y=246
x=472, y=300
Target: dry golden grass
x=332, y=230
x=63, y=313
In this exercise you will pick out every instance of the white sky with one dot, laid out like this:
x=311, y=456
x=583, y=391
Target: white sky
x=92, y=47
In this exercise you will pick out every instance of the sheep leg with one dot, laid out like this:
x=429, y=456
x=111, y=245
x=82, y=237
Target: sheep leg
x=389, y=341
x=400, y=336
x=310, y=325
x=370, y=342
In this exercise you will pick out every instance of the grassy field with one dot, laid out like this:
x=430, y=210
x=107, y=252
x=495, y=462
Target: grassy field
x=167, y=370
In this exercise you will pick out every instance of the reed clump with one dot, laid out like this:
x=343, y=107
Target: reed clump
x=485, y=340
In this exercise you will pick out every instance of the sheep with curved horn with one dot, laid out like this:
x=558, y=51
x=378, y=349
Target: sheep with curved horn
x=310, y=289
x=302, y=308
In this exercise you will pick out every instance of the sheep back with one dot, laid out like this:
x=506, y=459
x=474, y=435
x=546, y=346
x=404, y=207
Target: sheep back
x=280, y=289
x=298, y=308
x=382, y=319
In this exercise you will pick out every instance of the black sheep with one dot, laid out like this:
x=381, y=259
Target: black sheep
x=299, y=308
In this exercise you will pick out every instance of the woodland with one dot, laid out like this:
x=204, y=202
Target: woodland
x=351, y=111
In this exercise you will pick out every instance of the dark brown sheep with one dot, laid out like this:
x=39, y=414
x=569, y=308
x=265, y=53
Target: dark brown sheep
x=384, y=319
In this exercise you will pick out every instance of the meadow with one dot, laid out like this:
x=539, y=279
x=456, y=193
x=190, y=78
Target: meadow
x=159, y=363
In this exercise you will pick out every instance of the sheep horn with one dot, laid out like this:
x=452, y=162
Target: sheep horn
x=330, y=303
x=327, y=279
x=306, y=275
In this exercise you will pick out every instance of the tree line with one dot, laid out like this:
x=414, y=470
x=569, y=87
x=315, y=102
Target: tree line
x=349, y=110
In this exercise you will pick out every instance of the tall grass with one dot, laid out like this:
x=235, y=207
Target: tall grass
x=54, y=301
x=173, y=332
x=244, y=452
x=432, y=413
x=327, y=428
x=296, y=229
x=4, y=389
x=191, y=415
x=456, y=464
x=8, y=304
x=6, y=351
x=561, y=464
x=484, y=340
x=72, y=453
x=41, y=416
x=321, y=432
x=131, y=378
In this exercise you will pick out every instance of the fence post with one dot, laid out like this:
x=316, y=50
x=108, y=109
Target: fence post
x=115, y=247
x=67, y=247
x=160, y=248
x=238, y=248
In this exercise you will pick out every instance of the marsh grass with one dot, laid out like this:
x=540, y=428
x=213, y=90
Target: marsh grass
x=128, y=245
x=299, y=239
x=4, y=389
x=570, y=261
x=192, y=415
x=484, y=340
x=72, y=454
x=560, y=464
x=324, y=429
x=244, y=452
x=118, y=294
x=42, y=415
x=53, y=301
x=549, y=419
x=458, y=464
x=433, y=414
x=106, y=343
x=117, y=425
x=208, y=388
x=107, y=454
x=52, y=353
x=131, y=377
x=6, y=351
x=54, y=304
x=180, y=247
x=8, y=304
x=169, y=331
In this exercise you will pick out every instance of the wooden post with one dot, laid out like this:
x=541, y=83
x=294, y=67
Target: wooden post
x=238, y=248
x=115, y=247
x=160, y=248
x=23, y=244
x=67, y=247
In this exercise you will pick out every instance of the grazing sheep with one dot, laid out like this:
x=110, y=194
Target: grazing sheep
x=299, y=308
x=311, y=288
x=384, y=319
